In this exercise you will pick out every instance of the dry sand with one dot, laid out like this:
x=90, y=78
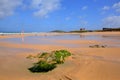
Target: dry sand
x=84, y=64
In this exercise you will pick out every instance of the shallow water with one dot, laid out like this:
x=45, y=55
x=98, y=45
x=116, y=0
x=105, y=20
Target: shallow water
x=111, y=41
x=14, y=64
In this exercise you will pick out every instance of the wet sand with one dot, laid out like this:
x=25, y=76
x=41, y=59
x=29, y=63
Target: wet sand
x=85, y=63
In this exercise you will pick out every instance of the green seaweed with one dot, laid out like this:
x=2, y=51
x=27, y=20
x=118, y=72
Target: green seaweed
x=60, y=56
x=48, y=61
x=42, y=66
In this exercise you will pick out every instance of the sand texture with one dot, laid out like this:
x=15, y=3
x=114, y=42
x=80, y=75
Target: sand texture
x=85, y=63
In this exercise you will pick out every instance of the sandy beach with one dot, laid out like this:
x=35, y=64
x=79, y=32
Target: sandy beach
x=86, y=63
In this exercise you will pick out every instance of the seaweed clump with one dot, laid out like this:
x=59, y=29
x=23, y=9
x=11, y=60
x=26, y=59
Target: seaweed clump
x=48, y=61
x=61, y=55
x=42, y=66
x=98, y=46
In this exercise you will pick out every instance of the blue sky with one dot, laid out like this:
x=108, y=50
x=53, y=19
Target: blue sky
x=48, y=15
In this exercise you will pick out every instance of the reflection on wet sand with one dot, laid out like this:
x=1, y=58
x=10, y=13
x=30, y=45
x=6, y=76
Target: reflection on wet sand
x=80, y=40
x=22, y=36
x=82, y=36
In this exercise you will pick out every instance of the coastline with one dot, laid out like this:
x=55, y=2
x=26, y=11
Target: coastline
x=12, y=35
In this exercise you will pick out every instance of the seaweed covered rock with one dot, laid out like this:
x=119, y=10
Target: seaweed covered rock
x=98, y=46
x=48, y=61
x=42, y=66
x=60, y=56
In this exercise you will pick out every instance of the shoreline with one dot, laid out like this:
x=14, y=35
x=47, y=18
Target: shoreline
x=18, y=35
x=58, y=32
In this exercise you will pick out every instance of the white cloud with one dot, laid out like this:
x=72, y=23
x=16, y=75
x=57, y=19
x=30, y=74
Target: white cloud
x=111, y=21
x=40, y=8
x=44, y=7
x=116, y=6
x=106, y=8
x=84, y=7
x=118, y=10
x=7, y=7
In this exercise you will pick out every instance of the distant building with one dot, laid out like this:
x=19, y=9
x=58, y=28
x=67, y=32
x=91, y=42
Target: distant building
x=111, y=29
x=82, y=29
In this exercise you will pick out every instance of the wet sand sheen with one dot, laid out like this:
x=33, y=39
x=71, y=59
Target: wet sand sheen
x=85, y=63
